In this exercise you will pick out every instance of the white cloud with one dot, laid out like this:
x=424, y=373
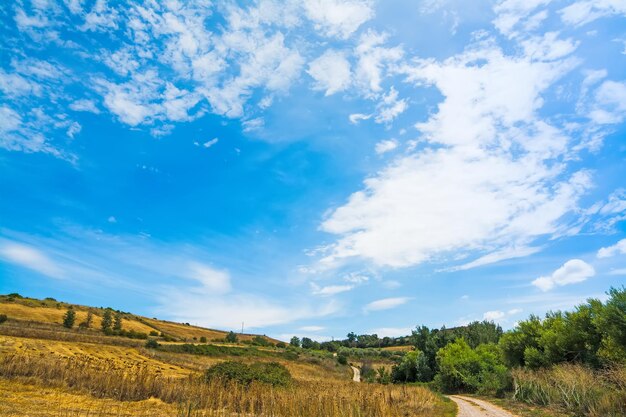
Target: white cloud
x=213, y=281
x=210, y=143
x=84, y=105
x=571, y=272
x=390, y=107
x=491, y=183
x=29, y=257
x=618, y=249
x=339, y=18
x=355, y=118
x=386, y=303
x=512, y=14
x=618, y=271
x=331, y=72
x=514, y=311
x=330, y=289
x=493, y=315
x=586, y=11
x=373, y=61
x=609, y=106
x=112, y=219
x=385, y=146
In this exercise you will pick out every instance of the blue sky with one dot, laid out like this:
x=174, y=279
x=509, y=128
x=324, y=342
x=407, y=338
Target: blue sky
x=314, y=167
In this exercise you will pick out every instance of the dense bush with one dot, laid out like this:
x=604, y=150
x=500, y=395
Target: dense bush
x=152, y=344
x=3, y=318
x=271, y=373
x=593, y=334
x=464, y=369
x=413, y=368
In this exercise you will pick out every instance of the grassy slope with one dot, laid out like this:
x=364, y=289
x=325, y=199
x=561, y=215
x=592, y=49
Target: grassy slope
x=50, y=311
x=34, y=332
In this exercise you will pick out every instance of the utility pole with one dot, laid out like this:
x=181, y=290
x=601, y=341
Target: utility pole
x=242, y=327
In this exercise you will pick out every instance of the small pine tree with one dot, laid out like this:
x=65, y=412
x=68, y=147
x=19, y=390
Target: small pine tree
x=118, y=321
x=231, y=337
x=107, y=320
x=69, y=318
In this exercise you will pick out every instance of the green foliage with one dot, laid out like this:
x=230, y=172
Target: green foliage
x=260, y=341
x=307, y=343
x=383, y=376
x=117, y=323
x=3, y=318
x=69, y=318
x=342, y=358
x=281, y=345
x=295, y=341
x=231, y=337
x=107, y=320
x=413, y=367
x=202, y=339
x=272, y=373
x=152, y=344
x=593, y=334
x=463, y=369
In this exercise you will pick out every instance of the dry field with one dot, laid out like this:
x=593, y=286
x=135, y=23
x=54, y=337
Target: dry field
x=46, y=370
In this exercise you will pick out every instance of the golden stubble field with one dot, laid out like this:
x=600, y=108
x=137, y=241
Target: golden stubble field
x=89, y=374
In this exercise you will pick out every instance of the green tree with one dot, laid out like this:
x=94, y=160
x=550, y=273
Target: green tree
x=307, y=343
x=202, y=339
x=295, y=341
x=412, y=368
x=69, y=318
x=117, y=323
x=231, y=337
x=107, y=320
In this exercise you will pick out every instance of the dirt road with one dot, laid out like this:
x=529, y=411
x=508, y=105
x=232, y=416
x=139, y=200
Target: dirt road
x=356, y=377
x=472, y=407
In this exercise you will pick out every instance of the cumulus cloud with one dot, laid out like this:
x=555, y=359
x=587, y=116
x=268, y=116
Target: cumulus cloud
x=340, y=18
x=331, y=72
x=618, y=249
x=311, y=328
x=386, y=303
x=489, y=183
x=385, y=146
x=391, y=331
x=571, y=272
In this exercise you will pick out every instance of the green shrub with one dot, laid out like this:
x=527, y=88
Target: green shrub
x=271, y=373
x=152, y=344
x=342, y=358
x=3, y=318
x=231, y=337
x=202, y=339
x=464, y=369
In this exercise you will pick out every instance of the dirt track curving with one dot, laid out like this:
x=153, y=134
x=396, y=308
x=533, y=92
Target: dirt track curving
x=356, y=377
x=472, y=407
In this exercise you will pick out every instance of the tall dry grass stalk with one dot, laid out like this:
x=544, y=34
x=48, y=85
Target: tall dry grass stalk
x=196, y=398
x=574, y=388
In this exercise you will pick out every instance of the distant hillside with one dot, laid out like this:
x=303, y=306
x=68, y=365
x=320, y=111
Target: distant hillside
x=50, y=312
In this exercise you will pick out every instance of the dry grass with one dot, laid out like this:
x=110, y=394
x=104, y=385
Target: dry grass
x=55, y=315
x=399, y=348
x=575, y=389
x=103, y=379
